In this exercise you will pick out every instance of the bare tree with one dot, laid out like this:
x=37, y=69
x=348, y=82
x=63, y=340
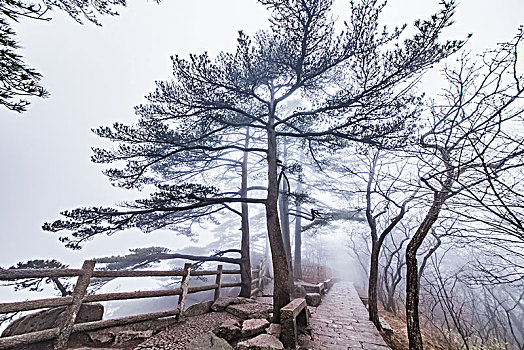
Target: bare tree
x=474, y=119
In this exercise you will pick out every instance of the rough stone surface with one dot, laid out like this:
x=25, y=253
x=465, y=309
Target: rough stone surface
x=49, y=319
x=341, y=322
x=313, y=299
x=222, y=303
x=274, y=329
x=107, y=335
x=254, y=326
x=124, y=336
x=198, y=309
x=261, y=342
x=229, y=330
x=180, y=334
x=209, y=341
x=251, y=310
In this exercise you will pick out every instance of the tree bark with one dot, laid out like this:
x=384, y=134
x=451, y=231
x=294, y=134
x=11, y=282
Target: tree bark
x=375, y=249
x=297, y=269
x=284, y=218
x=245, y=266
x=281, y=294
x=412, y=278
x=372, y=286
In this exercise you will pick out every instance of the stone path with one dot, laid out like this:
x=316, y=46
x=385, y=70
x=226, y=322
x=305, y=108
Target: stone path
x=341, y=322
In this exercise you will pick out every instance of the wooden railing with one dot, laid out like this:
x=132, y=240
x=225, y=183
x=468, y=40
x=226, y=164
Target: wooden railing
x=259, y=278
x=73, y=302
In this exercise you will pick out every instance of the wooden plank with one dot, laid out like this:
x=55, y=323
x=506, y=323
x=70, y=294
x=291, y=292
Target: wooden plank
x=184, y=285
x=143, y=273
x=231, y=285
x=68, y=319
x=231, y=272
x=28, y=338
x=89, y=326
x=203, y=273
x=192, y=290
x=34, y=304
x=11, y=274
x=132, y=295
x=217, y=282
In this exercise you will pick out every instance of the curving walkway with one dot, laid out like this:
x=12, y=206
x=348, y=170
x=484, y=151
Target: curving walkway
x=341, y=322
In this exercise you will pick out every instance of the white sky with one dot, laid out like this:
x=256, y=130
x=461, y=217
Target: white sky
x=96, y=75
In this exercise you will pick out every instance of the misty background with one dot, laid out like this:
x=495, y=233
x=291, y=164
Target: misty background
x=96, y=75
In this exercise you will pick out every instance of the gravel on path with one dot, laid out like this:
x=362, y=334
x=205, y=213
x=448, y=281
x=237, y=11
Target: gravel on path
x=178, y=335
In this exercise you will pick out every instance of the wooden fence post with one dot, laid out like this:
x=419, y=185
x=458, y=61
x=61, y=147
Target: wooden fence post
x=218, y=282
x=68, y=318
x=184, y=285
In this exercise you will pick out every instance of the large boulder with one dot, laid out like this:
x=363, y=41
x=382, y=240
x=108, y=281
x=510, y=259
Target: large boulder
x=209, y=341
x=229, y=330
x=198, y=309
x=50, y=318
x=254, y=327
x=222, y=303
x=251, y=310
x=261, y=342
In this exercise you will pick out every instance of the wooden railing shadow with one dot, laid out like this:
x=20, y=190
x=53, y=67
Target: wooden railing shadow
x=67, y=324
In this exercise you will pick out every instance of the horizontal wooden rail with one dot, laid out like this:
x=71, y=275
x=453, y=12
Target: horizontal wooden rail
x=141, y=273
x=230, y=285
x=13, y=274
x=34, y=304
x=89, y=326
x=29, y=338
x=132, y=295
x=202, y=288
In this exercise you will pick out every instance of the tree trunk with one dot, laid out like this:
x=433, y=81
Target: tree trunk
x=281, y=294
x=245, y=266
x=375, y=249
x=284, y=219
x=412, y=278
x=372, y=286
x=297, y=269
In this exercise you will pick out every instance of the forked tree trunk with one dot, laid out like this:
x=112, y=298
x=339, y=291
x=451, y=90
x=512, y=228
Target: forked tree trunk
x=412, y=278
x=245, y=266
x=281, y=293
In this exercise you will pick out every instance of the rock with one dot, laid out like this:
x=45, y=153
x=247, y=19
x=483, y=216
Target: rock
x=229, y=330
x=209, y=341
x=274, y=329
x=50, y=318
x=222, y=303
x=261, y=342
x=102, y=337
x=124, y=336
x=254, y=326
x=313, y=299
x=251, y=310
x=298, y=291
x=198, y=309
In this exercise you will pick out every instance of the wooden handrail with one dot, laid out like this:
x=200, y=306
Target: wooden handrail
x=13, y=274
x=34, y=304
x=67, y=325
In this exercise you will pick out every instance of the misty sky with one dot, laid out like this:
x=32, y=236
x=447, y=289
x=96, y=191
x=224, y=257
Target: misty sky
x=96, y=75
